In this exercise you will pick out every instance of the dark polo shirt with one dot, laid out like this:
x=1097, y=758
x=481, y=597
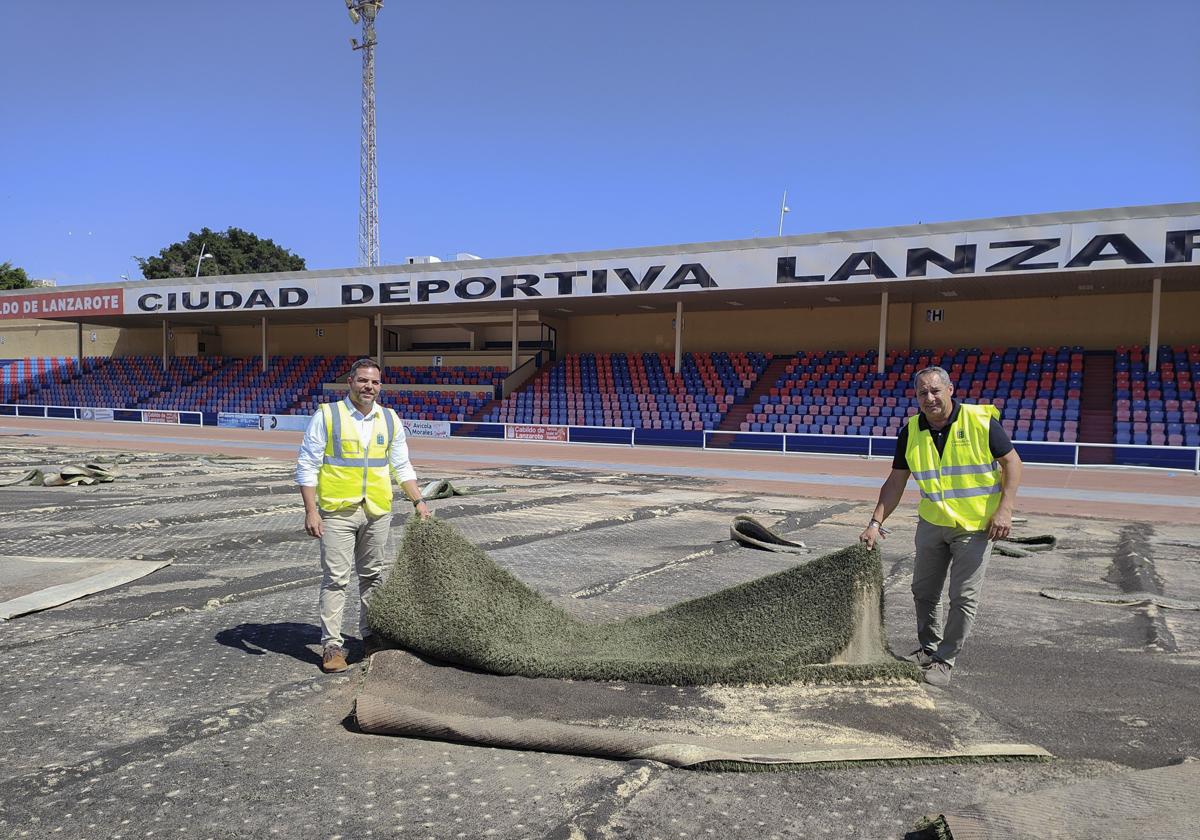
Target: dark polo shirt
x=998, y=440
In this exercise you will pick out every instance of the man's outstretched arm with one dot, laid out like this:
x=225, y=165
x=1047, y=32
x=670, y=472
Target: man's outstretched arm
x=889, y=497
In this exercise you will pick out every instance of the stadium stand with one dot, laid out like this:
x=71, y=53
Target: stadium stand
x=1037, y=391
x=1160, y=408
x=293, y=384
x=118, y=383
x=18, y=377
x=454, y=405
x=634, y=390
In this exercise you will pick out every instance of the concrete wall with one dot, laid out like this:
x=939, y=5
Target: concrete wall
x=22, y=339
x=1099, y=322
x=775, y=330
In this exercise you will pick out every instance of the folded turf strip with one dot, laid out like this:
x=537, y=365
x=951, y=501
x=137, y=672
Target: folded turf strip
x=821, y=621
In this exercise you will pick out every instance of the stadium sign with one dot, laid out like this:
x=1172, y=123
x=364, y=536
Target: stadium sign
x=883, y=256
x=1108, y=245
x=63, y=304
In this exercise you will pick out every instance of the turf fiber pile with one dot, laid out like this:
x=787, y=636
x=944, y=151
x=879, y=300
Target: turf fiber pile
x=446, y=599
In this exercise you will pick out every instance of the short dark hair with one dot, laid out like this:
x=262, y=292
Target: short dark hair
x=363, y=363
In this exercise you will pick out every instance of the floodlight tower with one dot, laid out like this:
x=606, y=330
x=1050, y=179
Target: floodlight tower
x=368, y=176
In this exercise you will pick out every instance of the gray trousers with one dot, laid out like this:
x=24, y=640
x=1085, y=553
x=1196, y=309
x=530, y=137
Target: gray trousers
x=352, y=541
x=964, y=554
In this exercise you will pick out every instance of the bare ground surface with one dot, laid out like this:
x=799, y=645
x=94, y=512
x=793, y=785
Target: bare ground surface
x=189, y=703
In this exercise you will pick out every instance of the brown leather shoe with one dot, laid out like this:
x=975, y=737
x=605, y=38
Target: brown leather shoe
x=333, y=659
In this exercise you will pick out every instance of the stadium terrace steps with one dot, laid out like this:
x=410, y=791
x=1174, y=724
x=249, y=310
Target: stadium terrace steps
x=771, y=376
x=1159, y=408
x=1096, y=406
x=635, y=390
x=1044, y=394
x=834, y=392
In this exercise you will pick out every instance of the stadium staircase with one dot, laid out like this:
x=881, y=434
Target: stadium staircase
x=768, y=380
x=1096, y=406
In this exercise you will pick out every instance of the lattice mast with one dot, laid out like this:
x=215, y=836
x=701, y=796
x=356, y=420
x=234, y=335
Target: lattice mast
x=368, y=176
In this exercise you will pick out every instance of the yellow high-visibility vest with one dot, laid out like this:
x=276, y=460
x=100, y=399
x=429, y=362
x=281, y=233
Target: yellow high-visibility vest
x=350, y=473
x=961, y=487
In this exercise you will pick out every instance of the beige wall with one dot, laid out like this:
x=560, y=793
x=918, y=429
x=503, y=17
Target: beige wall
x=22, y=339
x=777, y=330
x=1099, y=322
x=1179, y=318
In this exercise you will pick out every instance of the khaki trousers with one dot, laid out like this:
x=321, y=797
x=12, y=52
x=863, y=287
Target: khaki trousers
x=963, y=555
x=351, y=541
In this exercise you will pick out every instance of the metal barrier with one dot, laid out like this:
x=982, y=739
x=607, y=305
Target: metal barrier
x=862, y=446
x=103, y=414
x=1031, y=451
x=548, y=433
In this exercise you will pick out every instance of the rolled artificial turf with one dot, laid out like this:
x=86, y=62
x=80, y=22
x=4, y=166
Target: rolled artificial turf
x=446, y=599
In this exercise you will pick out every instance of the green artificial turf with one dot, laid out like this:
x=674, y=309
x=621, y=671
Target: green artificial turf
x=446, y=599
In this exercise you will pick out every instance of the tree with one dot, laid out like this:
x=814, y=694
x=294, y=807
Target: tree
x=12, y=277
x=233, y=251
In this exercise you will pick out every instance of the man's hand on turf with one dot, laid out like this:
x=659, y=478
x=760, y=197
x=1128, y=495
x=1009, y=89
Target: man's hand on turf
x=870, y=534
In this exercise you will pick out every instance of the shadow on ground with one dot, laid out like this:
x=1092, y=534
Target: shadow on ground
x=290, y=638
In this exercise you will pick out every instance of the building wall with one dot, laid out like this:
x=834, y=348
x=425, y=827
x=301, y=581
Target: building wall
x=1178, y=319
x=29, y=338
x=774, y=330
x=1098, y=322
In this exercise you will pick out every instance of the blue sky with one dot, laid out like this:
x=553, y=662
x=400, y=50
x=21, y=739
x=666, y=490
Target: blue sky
x=530, y=126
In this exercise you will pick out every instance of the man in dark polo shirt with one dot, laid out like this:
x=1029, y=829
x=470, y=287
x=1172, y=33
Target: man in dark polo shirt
x=967, y=471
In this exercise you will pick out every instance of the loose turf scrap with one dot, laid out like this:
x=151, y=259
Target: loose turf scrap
x=819, y=622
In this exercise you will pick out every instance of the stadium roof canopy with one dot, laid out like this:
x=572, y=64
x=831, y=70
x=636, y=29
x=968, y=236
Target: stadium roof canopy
x=1096, y=252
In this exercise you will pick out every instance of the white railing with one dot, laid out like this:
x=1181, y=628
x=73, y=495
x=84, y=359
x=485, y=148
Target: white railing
x=1062, y=453
x=106, y=414
x=859, y=446
x=1032, y=451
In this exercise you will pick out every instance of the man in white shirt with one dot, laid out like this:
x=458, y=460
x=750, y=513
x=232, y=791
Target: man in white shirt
x=351, y=451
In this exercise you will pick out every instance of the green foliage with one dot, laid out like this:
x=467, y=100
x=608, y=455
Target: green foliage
x=12, y=277
x=233, y=251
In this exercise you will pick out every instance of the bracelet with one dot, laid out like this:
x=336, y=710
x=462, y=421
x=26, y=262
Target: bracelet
x=876, y=523
x=417, y=501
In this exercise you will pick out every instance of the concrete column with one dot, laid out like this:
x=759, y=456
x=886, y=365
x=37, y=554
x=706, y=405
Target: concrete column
x=79, y=345
x=1155, y=305
x=516, y=334
x=379, y=340
x=264, y=344
x=166, y=354
x=678, y=336
x=883, y=319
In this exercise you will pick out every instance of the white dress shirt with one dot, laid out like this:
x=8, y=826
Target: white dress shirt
x=312, y=449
